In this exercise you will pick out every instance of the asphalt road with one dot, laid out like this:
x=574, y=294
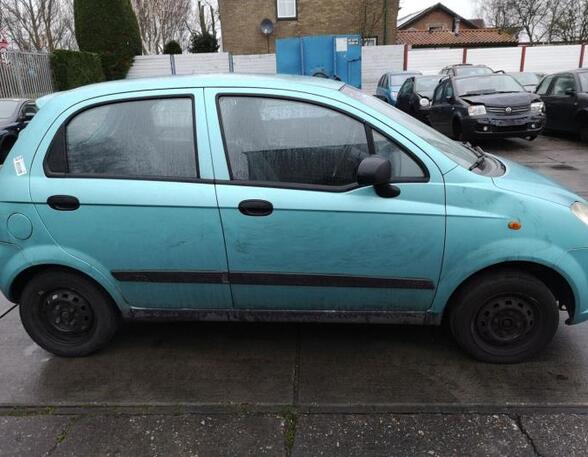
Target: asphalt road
x=301, y=390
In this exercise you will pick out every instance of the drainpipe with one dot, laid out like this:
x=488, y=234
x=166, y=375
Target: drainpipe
x=385, y=22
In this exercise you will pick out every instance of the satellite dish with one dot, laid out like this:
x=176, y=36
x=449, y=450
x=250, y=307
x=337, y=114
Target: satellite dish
x=267, y=27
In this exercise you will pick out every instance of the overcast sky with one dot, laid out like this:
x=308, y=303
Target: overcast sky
x=465, y=8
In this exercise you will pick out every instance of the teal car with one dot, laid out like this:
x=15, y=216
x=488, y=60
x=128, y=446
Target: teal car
x=254, y=198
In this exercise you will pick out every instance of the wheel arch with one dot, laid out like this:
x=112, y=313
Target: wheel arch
x=19, y=282
x=557, y=284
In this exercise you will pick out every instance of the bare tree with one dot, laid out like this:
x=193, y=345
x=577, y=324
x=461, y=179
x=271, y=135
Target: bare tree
x=40, y=25
x=161, y=21
x=571, y=25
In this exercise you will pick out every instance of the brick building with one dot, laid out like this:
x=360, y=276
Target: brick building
x=438, y=26
x=375, y=20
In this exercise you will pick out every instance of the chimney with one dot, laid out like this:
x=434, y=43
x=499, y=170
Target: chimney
x=456, y=23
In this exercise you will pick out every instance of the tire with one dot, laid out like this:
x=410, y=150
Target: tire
x=504, y=317
x=67, y=314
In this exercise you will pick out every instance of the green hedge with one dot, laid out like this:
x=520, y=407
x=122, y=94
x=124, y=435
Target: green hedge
x=109, y=28
x=73, y=69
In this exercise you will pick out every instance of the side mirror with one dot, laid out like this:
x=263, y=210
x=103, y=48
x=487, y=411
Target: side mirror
x=27, y=115
x=377, y=171
x=450, y=99
x=570, y=91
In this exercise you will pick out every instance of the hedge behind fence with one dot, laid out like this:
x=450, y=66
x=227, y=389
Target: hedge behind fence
x=73, y=69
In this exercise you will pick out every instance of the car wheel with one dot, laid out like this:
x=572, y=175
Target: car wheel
x=505, y=317
x=67, y=314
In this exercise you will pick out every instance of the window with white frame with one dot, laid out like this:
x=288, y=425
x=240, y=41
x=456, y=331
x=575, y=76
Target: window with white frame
x=286, y=9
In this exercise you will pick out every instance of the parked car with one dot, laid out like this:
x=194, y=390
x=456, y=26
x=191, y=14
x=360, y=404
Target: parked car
x=490, y=106
x=528, y=79
x=415, y=96
x=390, y=83
x=566, y=101
x=466, y=69
x=15, y=114
x=234, y=197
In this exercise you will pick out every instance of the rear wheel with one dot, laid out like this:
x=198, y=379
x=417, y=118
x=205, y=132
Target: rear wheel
x=67, y=314
x=504, y=317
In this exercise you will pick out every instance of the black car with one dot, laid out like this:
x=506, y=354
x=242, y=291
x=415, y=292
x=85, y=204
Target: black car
x=15, y=114
x=415, y=95
x=466, y=69
x=489, y=106
x=566, y=101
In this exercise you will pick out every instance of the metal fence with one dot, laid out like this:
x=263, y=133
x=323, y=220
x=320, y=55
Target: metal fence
x=25, y=74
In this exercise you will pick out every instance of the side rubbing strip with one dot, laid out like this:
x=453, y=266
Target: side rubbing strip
x=272, y=279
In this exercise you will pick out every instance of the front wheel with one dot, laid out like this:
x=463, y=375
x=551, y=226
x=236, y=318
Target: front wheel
x=67, y=314
x=504, y=317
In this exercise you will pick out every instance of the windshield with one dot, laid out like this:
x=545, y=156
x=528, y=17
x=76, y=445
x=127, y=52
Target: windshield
x=452, y=149
x=471, y=71
x=427, y=83
x=526, y=79
x=398, y=80
x=7, y=108
x=584, y=81
x=490, y=84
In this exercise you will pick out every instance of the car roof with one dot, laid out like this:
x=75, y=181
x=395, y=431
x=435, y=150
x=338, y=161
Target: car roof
x=192, y=81
x=479, y=76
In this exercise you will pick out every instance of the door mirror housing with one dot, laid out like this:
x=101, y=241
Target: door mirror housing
x=450, y=98
x=570, y=91
x=376, y=171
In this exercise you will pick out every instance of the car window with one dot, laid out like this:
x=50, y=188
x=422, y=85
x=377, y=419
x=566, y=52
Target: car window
x=438, y=95
x=563, y=83
x=288, y=141
x=403, y=166
x=448, y=90
x=471, y=71
x=136, y=139
x=489, y=84
x=7, y=108
x=583, y=81
x=544, y=86
x=426, y=83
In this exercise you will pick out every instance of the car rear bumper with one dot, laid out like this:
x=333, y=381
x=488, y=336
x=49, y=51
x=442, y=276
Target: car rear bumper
x=503, y=127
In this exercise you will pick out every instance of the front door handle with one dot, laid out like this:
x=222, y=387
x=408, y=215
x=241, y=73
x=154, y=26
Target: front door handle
x=256, y=208
x=63, y=202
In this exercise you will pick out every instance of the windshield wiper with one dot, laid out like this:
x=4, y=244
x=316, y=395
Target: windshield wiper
x=480, y=155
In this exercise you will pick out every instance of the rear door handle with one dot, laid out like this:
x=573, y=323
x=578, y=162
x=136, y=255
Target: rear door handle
x=256, y=208
x=63, y=202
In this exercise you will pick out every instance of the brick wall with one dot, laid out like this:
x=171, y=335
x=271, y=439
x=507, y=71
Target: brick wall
x=240, y=21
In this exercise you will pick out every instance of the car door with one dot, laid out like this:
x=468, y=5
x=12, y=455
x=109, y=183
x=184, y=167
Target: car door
x=300, y=233
x=403, y=99
x=441, y=113
x=561, y=102
x=127, y=188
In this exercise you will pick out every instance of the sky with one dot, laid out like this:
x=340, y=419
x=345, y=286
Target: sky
x=465, y=8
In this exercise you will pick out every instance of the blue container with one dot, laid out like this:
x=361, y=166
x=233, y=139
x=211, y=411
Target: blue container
x=326, y=56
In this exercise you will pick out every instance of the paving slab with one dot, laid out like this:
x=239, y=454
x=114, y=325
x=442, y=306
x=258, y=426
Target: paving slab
x=416, y=366
x=31, y=436
x=152, y=364
x=410, y=435
x=558, y=435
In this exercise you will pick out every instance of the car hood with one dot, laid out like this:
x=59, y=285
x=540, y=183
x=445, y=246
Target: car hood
x=517, y=98
x=523, y=180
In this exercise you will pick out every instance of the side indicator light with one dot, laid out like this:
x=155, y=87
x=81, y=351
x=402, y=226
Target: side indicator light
x=514, y=225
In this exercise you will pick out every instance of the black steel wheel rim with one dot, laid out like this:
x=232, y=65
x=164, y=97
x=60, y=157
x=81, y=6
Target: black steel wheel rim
x=506, y=321
x=66, y=315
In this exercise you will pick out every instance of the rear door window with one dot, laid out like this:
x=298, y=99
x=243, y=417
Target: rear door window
x=149, y=138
